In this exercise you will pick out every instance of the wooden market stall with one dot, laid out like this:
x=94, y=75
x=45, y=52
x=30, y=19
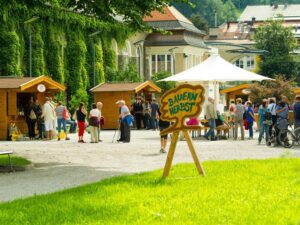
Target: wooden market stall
x=232, y=93
x=108, y=94
x=15, y=94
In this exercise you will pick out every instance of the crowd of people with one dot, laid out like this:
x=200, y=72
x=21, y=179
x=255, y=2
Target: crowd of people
x=271, y=115
x=45, y=117
x=52, y=118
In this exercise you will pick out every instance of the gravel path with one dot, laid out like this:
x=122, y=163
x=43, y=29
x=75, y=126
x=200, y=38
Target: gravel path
x=66, y=164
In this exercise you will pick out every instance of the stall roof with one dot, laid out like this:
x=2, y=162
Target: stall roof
x=23, y=83
x=247, y=86
x=235, y=88
x=126, y=87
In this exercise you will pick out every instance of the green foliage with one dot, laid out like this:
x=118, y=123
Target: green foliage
x=59, y=42
x=227, y=10
x=127, y=74
x=38, y=60
x=16, y=161
x=247, y=192
x=133, y=12
x=199, y=21
x=99, y=63
x=54, y=54
x=165, y=86
x=79, y=96
x=10, y=53
x=274, y=38
x=109, y=58
x=61, y=96
x=76, y=59
x=269, y=89
x=277, y=41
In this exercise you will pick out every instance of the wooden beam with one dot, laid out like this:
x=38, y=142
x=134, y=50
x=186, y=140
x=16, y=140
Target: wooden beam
x=193, y=152
x=171, y=154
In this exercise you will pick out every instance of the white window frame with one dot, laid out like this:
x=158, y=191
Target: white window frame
x=166, y=63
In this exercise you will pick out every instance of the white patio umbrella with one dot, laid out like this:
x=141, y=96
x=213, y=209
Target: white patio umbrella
x=215, y=69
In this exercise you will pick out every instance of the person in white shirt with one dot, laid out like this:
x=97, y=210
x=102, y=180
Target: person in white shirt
x=94, y=123
x=272, y=108
x=49, y=117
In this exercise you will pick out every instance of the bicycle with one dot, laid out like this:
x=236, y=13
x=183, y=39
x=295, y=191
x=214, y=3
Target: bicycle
x=273, y=137
x=289, y=136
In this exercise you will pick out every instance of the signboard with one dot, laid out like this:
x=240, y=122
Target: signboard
x=177, y=105
x=181, y=103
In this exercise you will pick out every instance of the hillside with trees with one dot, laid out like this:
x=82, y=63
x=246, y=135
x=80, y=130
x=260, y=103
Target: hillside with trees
x=226, y=10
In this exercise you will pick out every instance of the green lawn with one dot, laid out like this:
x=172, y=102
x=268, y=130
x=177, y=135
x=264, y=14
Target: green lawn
x=16, y=161
x=233, y=192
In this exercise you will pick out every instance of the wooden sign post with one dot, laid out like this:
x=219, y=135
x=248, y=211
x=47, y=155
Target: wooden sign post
x=184, y=101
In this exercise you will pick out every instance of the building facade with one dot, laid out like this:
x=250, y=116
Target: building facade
x=234, y=39
x=173, y=46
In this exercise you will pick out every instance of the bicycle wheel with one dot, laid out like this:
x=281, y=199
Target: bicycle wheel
x=272, y=138
x=286, y=138
x=297, y=135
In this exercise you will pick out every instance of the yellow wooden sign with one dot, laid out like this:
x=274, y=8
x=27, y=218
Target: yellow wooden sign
x=178, y=104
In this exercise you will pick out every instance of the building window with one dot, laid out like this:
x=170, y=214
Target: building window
x=161, y=63
x=247, y=62
x=239, y=63
x=250, y=62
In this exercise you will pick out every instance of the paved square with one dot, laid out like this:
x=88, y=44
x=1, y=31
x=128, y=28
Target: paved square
x=66, y=164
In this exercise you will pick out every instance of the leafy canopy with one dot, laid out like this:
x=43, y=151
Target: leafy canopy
x=277, y=42
x=269, y=89
x=131, y=12
x=199, y=21
x=275, y=39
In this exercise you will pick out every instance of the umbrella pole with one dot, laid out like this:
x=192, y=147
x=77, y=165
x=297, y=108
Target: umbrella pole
x=215, y=93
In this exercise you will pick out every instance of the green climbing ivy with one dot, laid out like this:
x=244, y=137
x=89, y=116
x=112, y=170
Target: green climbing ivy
x=10, y=53
x=61, y=46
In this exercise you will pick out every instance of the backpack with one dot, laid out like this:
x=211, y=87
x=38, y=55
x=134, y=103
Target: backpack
x=32, y=115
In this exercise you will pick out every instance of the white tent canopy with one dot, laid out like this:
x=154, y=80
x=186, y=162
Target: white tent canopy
x=215, y=68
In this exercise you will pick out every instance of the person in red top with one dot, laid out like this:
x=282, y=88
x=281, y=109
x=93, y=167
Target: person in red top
x=81, y=115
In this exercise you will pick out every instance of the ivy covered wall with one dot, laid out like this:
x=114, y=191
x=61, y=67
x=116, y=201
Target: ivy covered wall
x=61, y=45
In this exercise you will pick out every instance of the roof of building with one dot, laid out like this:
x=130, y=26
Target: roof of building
x=235, y=88
x=24, y=83
x=126, y=87
x=171, y=19
x=170, y=14
x=13, y=82
x=265, y=12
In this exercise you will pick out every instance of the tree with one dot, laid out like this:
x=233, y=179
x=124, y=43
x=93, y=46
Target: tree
x=268, y=89
x=131, y=12
x=277, y=42
x=164, y=86
x=231, y=11
x=199, y=22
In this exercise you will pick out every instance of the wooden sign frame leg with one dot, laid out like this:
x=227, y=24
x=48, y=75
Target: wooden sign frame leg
x=193, y=152
x=172, y=151
x=170, y=156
